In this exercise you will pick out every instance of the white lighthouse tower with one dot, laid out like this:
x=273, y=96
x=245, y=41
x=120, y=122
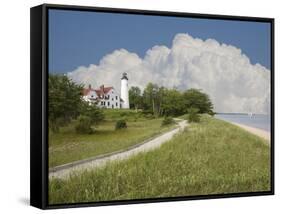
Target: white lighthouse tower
x=125, y=91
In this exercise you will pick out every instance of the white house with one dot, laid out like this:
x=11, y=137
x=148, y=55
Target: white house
x=108, y=97
x=104, y=97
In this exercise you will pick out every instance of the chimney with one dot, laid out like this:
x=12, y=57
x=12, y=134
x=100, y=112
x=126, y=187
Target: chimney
x=102, y=88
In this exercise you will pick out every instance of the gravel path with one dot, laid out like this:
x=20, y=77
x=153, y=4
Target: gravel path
x=65, y=170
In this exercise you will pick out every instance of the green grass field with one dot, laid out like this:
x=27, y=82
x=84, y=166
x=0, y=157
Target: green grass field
x=68, y=146
x=207, y=158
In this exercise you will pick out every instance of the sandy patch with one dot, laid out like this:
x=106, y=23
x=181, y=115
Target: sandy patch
x=259, y=132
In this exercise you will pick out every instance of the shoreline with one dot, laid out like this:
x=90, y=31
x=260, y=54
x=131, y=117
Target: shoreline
x=256, y=131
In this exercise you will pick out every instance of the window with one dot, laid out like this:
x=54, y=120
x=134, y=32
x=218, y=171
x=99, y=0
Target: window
x=108, y=103
x=112, y=99
x=116, y=98
x=116, y=104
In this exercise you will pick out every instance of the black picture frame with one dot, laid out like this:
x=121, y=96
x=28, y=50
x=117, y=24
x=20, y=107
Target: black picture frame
x=39, y=107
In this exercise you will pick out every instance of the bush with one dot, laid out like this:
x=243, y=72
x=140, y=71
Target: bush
x=137, y=116
x=124, y=114
x=168, y=121
x=195, y=98
x=149, y=116
x=93, y=112
x=193, y=115
x=84, y=125
x=120, y=124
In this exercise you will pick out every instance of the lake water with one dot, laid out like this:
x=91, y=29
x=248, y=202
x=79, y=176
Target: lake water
x=257, y=120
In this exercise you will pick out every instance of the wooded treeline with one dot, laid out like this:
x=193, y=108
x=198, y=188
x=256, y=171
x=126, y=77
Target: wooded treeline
x=65, y=103
x=161, y=101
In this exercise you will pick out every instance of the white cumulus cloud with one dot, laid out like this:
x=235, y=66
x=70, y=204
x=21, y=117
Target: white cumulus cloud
x=220, y=70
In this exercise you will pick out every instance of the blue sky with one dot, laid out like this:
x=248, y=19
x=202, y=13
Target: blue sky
x=83, y=38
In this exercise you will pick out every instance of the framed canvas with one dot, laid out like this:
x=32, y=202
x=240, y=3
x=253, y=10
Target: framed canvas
x=134, y=106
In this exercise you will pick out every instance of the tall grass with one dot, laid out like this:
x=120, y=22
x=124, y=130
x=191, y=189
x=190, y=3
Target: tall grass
x=68, y=146
x=210, y=157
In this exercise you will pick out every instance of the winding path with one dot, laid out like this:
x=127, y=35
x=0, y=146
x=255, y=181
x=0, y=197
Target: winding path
x=65, y=170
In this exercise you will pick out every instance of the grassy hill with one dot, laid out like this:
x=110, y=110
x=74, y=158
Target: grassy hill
x=210, y=157
x=68, y=146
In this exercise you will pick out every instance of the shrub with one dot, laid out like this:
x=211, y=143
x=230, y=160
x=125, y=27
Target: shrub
x=147, y=112
x=193, y=115
x=136, y=117
x=120, y=124
x=84, y=125
x=129, y=115
x=149, y=116
x=93, y=112
x=168, y=121
x=195, y=98
x=123, y=114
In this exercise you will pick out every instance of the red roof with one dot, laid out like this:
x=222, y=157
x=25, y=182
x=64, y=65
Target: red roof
x=86, y=91
x=101, y=91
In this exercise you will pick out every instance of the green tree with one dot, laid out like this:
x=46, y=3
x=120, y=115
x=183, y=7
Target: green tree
x=167, y=121
x=84, y=125
x=120, y=124
x=173, y=103
x=89, y=119
x=135, y=97
x=91, y=111
x=153, y=98
x=64, y=97
x=194, y=98
x=193, y=115
x=148, y=96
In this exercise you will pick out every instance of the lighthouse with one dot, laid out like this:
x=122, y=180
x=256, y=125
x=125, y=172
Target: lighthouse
x=125, y=91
